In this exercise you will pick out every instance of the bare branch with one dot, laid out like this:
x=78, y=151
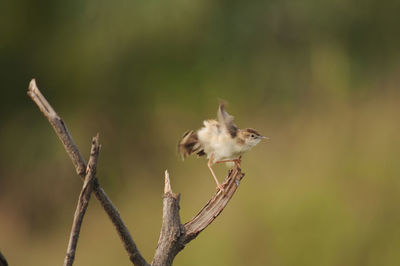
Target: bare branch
x=83, y=202
x=167, y=182
x=171, y=230
x=80, y=166
x=174, y=236
x=214, y=206
x=59, y=126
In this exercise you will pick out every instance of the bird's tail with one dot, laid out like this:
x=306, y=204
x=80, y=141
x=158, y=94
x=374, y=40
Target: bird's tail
x=189, y=144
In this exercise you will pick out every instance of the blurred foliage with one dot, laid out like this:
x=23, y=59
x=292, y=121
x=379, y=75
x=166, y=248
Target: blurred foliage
x=319, y=77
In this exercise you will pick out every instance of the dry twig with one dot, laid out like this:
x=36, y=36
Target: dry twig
x=83, y=202
x=62, y=132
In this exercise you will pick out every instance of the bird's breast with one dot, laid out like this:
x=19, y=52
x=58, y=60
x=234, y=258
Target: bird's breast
x=218, y=143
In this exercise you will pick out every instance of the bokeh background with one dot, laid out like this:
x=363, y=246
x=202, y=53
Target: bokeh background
x=320, y=78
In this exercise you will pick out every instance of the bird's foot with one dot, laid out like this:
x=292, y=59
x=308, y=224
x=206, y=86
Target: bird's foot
x=238, y=161
x=221, y=188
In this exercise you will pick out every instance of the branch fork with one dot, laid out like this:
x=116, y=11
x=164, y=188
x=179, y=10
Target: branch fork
x=174, y=236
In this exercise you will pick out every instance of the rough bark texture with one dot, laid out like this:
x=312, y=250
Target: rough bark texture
x=171, y=230
x=214, y=206
x=174, y=236
x=83, y=202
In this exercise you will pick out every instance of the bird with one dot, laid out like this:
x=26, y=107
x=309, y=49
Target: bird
x=220, y=140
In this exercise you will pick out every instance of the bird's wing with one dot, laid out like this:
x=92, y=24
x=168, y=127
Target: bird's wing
x=226, y=120
x=189, y=144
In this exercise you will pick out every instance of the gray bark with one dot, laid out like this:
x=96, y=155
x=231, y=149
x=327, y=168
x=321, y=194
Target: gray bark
x=83, y=202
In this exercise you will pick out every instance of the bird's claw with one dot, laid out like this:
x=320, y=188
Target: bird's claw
x=221, y=188
x=238, y=161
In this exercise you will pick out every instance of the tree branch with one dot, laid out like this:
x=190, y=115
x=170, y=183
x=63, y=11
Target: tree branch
x=174, y=236
x=171, y=229
x=59, y=127
x=83, y=202
x=62, y=132
x=214, y=206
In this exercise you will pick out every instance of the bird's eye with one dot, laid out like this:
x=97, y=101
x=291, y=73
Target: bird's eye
x=252, y=135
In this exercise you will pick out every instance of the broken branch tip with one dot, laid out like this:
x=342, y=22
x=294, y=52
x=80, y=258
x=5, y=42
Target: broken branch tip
x=32, y=85
x=167, y=186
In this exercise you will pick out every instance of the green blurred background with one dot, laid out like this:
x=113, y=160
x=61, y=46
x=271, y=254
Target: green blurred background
x=320, y=78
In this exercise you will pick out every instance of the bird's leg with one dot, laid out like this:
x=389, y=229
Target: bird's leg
x=225, y=161
x=236, y=161
x=210, y=163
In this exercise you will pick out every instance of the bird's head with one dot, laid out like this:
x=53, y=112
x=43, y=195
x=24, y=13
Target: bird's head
x=252, y=137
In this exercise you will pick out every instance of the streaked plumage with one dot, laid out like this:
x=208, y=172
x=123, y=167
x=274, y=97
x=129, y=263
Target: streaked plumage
x=221, y=141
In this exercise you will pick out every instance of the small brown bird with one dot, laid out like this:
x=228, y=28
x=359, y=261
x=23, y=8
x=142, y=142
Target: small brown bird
x=222, y=141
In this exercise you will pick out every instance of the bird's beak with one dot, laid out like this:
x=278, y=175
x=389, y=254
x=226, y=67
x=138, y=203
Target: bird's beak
x=264, y=137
